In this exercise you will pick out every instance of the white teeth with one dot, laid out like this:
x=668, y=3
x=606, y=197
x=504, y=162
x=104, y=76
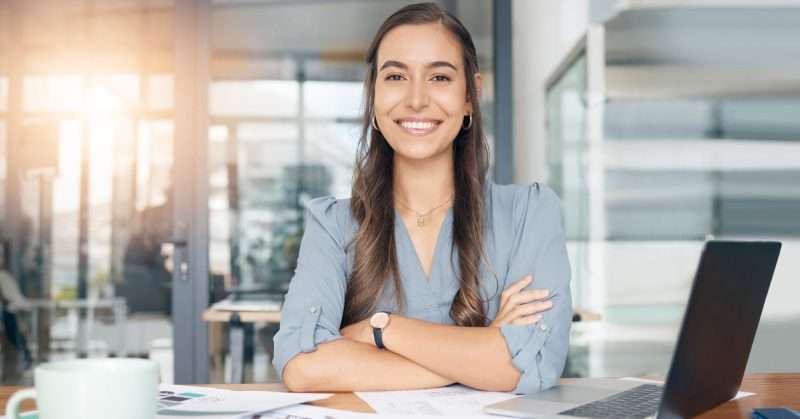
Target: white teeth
x=417, y=125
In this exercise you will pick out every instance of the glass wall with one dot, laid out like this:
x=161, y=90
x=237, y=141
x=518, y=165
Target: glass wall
x=285, y=104
x=653, y=159
x=85, y=174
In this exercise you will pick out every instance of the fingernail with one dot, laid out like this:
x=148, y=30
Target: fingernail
x=546, y=293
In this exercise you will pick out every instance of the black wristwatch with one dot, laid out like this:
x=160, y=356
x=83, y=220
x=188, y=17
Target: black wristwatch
x=379, y=321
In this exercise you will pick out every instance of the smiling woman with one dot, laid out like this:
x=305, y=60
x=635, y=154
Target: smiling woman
x=421, y=90
x=424, y=277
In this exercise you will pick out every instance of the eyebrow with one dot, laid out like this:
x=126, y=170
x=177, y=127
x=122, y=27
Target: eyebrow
x=394, y=63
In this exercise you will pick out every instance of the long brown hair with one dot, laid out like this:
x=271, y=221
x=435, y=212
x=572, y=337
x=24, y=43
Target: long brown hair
x=372, y=203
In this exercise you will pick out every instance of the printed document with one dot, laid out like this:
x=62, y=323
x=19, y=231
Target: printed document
x=453, y=400
x=178, y=400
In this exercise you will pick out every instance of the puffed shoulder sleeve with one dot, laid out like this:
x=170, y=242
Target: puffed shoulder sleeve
x=539, y=351
x=312, y=310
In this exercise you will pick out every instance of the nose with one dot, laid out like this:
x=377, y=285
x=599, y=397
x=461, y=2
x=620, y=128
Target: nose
x=417, y=95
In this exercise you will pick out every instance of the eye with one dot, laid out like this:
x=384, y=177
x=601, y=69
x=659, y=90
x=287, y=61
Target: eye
x=440, y=77
x=394, y=77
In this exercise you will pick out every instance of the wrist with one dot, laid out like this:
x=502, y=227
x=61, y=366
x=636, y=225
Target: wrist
x=392, y=333
x=378, y=323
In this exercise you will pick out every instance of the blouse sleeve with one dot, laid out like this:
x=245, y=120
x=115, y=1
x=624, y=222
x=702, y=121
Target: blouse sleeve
x=539, y=351
x=312, y=310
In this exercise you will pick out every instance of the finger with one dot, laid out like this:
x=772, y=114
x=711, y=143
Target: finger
x=522, y=297
x=527, y=320
x=503, y=310
x=515, y=288
x=521, y=284
x=528, y=296
x=530, y=308
x=506, y=308
x=500, y=320
x=505, y=318
x=518, y=286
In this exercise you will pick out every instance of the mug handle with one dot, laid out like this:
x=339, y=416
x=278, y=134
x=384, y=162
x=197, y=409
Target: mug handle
x=12, y=407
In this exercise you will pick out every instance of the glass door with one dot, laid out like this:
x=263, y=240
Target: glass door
x=88, y=182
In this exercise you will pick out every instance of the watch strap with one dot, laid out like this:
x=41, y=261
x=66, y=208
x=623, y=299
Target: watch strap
x=377, y=333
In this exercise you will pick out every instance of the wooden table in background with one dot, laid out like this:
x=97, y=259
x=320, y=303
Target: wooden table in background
x=772, y=390
x=235, y=321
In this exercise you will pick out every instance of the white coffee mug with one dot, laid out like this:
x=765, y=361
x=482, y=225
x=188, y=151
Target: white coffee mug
x=117, y=388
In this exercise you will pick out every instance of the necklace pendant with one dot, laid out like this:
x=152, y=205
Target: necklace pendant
x=420, y=220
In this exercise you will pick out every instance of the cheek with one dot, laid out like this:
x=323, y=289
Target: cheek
x=386, y=98
x=451, y=128
x=451, y=101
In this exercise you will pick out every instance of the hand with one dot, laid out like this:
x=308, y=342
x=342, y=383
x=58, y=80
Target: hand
x=519, y=306
x=360, y=332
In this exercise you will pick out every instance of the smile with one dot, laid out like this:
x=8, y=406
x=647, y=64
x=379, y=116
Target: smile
x=417, y=127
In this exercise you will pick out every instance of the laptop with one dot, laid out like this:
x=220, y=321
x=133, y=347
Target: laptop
x=718, y=328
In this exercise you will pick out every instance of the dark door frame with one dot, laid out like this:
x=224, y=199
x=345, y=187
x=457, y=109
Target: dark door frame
x=190, y=193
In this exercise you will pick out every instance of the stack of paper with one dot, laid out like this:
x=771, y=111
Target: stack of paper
x=455, y=400
x=178, y=401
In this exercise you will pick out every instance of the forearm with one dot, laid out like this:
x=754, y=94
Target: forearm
x=346, y=365
x=474, y=356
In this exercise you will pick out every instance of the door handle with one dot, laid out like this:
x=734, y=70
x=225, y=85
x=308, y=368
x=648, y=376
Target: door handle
x=178, y=247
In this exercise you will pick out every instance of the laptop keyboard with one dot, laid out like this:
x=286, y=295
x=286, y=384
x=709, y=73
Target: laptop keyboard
x=638, y=402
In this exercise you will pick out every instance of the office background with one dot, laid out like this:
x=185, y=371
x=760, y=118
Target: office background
x=156, y=154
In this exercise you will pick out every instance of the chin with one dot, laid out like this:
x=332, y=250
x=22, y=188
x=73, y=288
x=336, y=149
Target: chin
x=420, y=151
x=414, y=147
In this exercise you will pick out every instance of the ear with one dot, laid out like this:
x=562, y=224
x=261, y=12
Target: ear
x=478, y=89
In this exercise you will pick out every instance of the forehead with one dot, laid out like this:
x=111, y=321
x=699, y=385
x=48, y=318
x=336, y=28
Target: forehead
x=419, y=45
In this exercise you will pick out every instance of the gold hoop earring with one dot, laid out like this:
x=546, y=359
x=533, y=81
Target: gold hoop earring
x=469, y=125
x=374, y=123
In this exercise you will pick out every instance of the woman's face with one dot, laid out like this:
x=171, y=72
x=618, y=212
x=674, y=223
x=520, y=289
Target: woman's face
x=421, y=90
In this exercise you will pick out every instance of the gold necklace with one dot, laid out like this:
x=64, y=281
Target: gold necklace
x=420, y=215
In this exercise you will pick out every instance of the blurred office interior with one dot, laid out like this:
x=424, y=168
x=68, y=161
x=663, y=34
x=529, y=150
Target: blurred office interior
x=155, y=156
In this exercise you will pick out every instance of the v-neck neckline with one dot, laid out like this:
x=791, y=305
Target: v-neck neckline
x=420, y=267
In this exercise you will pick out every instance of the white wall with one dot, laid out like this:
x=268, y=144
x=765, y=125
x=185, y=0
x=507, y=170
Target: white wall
x=543, y=32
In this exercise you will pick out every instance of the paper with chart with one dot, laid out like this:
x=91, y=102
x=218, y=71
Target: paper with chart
x=454, y=400
x=174, y=401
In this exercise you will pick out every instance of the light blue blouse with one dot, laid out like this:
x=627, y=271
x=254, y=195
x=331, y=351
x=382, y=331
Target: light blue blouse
x=523, y=235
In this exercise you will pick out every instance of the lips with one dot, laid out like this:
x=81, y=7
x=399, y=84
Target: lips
x=418, y=126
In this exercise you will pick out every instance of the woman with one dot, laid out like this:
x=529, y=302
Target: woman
x=424, y=277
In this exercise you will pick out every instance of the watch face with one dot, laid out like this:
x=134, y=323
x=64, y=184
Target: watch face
x=379, y=320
